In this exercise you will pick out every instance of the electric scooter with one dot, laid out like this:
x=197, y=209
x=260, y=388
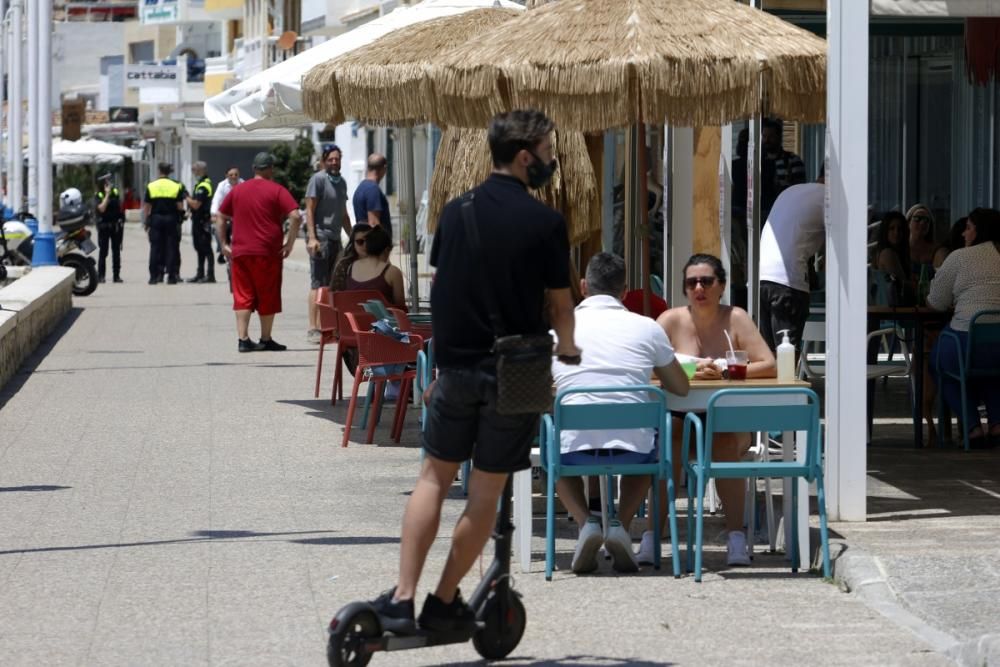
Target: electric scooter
x=356, y=632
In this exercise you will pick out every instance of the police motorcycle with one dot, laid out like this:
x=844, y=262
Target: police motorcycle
x=73, y=243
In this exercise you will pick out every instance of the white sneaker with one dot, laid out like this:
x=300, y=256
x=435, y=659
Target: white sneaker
x=585, y=555
x=645, y=553
x=737, y=552
x=619, y=545
x=314, y=336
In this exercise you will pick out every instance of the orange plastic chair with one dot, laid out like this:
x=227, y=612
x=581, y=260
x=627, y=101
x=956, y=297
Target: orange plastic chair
x=327, y=328
x=347, y=301
x=376, y=350
x=405, y=324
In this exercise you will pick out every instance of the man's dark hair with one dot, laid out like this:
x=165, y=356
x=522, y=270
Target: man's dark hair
x=376, y=161
x=165, y=168
x=771, y=123
x=711, y=260
x=515, y=131
x=231, y=167
x=987, y=222
x=605, y=275
x=331, y=149
x=377, y=241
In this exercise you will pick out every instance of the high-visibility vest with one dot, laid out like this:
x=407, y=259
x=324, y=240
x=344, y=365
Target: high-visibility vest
x=205, y=212
x=163, y=196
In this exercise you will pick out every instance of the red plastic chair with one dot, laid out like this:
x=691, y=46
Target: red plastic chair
x=347, y=301
x=375, y=349
x=404, y=324
x=327, y=327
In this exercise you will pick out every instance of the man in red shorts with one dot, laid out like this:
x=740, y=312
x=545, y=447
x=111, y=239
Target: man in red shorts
x=258, y=209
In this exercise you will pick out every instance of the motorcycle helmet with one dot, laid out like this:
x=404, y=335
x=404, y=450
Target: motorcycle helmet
x=70, y=197
x=72, y=215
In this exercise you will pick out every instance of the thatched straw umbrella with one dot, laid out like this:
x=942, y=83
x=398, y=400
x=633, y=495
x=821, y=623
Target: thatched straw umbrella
x=384, y=84
x=463, y=162
x=594, y=64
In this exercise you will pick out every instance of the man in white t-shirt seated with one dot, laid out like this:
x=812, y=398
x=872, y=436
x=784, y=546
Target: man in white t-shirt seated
x=620, y=349
x=794, y=232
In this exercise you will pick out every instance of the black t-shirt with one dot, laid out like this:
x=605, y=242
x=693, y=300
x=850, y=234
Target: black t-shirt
x=528, y=252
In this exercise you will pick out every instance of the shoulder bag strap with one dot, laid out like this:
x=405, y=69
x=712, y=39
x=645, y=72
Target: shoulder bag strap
x=472, y=235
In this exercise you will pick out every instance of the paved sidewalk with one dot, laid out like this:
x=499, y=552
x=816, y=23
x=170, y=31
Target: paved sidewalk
x=165, y=500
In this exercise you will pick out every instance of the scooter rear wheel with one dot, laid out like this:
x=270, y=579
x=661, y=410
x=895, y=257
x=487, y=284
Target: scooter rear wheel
x=504, y=626
x=352, y=627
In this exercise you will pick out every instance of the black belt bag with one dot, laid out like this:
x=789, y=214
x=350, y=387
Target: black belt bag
x=523, y=362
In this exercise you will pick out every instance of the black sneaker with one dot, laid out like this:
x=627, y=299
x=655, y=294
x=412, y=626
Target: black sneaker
x=396, y=616
x=222, y=258
x=437, y=616
x=118, y=279
x=247, y=345
x=196, y=279
x=270, y=345
x=210, y=279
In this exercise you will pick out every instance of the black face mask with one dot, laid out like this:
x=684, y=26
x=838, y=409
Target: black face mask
x=540, y=173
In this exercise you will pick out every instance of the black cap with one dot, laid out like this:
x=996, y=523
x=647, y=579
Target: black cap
x=263, y=160
x=166, y=167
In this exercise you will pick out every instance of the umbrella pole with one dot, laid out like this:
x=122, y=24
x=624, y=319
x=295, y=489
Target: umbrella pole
x=646, y=265
x=407, y=181
x=632, y=215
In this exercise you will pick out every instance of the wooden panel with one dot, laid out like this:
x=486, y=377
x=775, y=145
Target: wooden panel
x=705, y=193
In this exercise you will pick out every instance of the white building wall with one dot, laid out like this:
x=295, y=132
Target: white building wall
x=77, y=51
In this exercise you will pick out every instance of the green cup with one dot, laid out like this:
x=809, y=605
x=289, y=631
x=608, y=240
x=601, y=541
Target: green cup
x=689, y=367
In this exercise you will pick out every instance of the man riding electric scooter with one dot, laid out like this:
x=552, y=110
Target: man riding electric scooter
x=493, y=354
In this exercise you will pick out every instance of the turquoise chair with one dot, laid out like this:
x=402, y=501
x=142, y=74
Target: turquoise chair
x=767, y=411
x=650, y=413
x=981, y=334
x=656, y=284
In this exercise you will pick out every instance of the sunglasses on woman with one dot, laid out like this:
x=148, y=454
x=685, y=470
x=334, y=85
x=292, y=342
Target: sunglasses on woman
x=704, y=281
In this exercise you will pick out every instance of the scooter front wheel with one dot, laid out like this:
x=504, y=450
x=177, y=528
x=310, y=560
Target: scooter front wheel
x=350, y=630
x=504, y=619
x=85, y=281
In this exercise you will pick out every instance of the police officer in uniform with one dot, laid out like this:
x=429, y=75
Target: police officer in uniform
x=200, y=206
x=110, y=227
x=163, y=208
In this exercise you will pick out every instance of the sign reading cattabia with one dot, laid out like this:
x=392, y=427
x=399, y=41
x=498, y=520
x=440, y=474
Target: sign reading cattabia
x=152, y=76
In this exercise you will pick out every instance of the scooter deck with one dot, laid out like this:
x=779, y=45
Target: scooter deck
x=392, y=642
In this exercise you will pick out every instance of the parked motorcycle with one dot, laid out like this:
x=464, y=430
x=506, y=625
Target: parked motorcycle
x=73, y=246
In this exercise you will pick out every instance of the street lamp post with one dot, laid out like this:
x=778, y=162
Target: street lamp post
x=33, y=127
x=15, y=185
x=45, y=243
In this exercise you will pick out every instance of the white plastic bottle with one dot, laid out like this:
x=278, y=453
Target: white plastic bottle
x=786, y=358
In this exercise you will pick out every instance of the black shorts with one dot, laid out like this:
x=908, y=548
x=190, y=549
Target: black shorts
x=462, y=423
x=321, y=264
x=781, y=308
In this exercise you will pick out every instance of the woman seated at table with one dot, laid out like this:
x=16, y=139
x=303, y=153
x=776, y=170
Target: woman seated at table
x=373, y=270
x=698, y=330
x=338, y=280
x=921, y=240
x=892, y=250
x=969, y=281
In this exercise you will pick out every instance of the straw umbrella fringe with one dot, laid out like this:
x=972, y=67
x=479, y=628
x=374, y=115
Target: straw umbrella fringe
x=593, y=64
x=385, y=83
x=463, y=162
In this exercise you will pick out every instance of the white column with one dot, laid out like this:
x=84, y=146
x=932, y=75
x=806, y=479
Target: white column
x=44, y=111
x=846, y=274
x=33, y=126
x=681, y=209
x=3, y=120
x=15, y=180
